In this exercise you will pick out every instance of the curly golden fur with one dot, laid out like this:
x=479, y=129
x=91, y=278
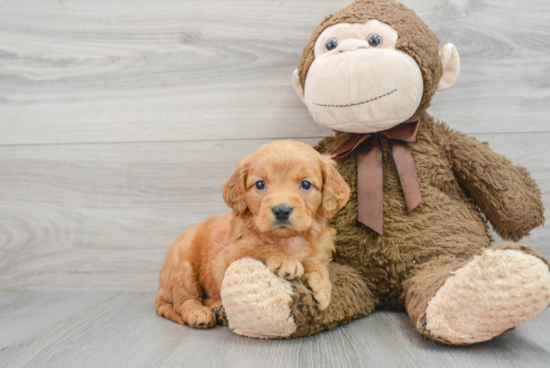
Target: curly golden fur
x=300, y=246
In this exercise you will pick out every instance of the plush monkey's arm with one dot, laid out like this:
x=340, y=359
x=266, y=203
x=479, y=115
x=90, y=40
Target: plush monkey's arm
x=506, y=193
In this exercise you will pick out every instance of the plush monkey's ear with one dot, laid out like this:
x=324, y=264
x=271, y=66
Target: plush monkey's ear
x=234, y=189
x=297, y=85
x=335, y=189
x=451, y=66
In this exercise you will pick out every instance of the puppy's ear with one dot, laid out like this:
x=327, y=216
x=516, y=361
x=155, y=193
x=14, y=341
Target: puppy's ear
x=234, y=189
x=335, y=189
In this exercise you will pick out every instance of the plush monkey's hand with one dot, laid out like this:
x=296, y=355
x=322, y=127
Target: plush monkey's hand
x=506, y=193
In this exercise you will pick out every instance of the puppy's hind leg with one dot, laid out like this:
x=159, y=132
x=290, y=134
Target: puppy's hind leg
x=180, y=298
x=187, y=294
x=166, y=310
x=164, y=299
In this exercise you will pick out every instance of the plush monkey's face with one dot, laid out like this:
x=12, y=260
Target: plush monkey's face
x=361, y=77
x=359, y=82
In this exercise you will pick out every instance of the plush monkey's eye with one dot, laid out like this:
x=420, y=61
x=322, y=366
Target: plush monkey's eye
x=331, y=44
x=260, y=185
x=374, y=40
x=305, y=185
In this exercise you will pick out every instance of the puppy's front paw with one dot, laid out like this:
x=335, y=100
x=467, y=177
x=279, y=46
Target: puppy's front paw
x=285, y=266
x=321, y=288
x=221, y=317
x=199, y=317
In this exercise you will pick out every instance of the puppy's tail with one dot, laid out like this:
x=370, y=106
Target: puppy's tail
x=166, y=310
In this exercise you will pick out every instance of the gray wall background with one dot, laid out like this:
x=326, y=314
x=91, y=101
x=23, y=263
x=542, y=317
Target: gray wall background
x=119, y=121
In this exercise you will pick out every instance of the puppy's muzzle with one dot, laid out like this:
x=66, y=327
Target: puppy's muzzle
x=282, y=212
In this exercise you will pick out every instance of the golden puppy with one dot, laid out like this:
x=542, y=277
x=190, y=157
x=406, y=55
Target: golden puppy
x=282, y=197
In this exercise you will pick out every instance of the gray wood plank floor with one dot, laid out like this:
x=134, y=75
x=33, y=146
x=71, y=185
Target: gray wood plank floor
x=90, y=329
x=120, y=120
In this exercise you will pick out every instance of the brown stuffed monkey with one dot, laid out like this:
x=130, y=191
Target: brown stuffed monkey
x=414, y=234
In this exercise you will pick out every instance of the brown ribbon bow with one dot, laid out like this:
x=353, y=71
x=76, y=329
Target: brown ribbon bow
x=370, y=183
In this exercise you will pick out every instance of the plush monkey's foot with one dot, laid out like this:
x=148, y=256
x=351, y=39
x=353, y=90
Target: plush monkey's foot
x=496, y=291
x=257, y=302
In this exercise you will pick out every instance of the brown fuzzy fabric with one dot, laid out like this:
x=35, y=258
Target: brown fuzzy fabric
x=415, y=38
x=494, y=183
x=445, y=231
x=351, y=299
x=464, y=184
x=448, y=222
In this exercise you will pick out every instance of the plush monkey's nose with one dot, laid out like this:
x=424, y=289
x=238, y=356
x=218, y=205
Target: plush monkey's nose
x=354, y=48
x=282, y=212
x=352, y=45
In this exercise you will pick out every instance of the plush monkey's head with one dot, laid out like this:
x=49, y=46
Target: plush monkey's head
x=371, y=66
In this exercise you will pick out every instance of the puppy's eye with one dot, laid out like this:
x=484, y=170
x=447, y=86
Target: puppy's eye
x=331, y=44
x=260, y=185
x=305, y=185
x=374, y=40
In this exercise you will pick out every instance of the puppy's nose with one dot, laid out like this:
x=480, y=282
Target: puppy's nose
x=282, y=212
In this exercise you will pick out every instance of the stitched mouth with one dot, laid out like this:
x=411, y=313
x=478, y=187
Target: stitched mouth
x=357, y=103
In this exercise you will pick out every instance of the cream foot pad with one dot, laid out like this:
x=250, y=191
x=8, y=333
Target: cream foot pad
x=257, y=302
x=493, y=293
